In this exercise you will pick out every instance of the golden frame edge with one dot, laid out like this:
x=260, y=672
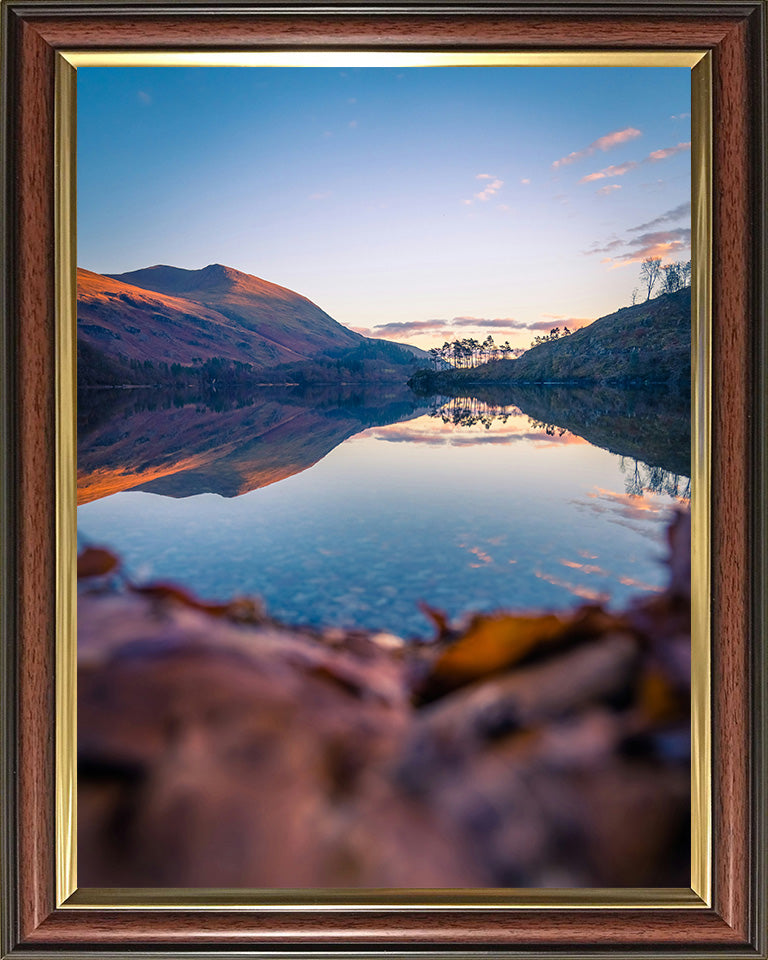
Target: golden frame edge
x=65, y=106
x=68, y=896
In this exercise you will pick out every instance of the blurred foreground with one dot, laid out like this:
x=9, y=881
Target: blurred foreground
x=220, y=748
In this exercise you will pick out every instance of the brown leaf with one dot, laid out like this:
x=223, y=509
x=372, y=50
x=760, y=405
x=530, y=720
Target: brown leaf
x=96, y=562
x=170, y=592
x=658, y=699
x=438, y=617
x=491, y=644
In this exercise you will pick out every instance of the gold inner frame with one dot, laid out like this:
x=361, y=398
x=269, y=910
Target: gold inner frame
x=68, y=896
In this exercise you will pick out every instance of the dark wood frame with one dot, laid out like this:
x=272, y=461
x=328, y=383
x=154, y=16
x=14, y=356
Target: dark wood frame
x=735, y=32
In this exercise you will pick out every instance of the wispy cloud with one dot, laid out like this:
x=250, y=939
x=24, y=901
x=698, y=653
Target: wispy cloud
x=622, y=168
x=145, y=97
x=493, y=188
x=679, y=116
x=573, y=323
x=608, y=188
x=611, y=171
x=682, y=210
x=606, y=247
x=407, y=327
x=604, y=143
x=667, y=152
x=484, y=322
x=455, y=327
x=525, y=180
x=493, y=185
x=323, y=195
x=663, y=243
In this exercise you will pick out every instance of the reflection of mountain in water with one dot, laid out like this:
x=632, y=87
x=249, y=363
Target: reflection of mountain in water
x=648, y=425
x=180, y=446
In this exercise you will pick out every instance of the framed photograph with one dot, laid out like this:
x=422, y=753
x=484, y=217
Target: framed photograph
x=384, y=479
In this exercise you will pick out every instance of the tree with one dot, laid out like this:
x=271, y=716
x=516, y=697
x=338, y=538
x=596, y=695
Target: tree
x=675, y=276
x=671, y=277
x=650, y=271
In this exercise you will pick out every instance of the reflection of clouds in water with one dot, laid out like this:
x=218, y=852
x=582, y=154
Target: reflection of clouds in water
x=436, y=432
x=578, y=590
x=593, y=570
x=584, y=567
x=629, y=510
x=640, y=584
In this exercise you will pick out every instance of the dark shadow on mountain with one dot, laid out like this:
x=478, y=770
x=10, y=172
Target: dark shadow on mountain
x=650, y=425
x=180, y=444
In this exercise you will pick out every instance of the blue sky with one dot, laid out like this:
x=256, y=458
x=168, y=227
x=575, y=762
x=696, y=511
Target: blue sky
x=412, y=203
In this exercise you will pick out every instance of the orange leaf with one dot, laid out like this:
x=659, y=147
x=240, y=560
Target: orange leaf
x=96, y=562
x=490, y=645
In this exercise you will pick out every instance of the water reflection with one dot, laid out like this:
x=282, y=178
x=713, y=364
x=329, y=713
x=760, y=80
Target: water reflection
x=354, y=507
x=182, y=445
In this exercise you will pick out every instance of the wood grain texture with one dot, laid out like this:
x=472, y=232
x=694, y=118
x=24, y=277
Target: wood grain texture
x=34, y=294
x=34, y=40
x=732, y=391
x=519, y=928
x=432, y=30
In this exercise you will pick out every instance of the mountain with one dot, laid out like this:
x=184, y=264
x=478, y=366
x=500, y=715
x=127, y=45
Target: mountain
x=647, y=343
x=291, y=326
x=173, y=327
x=165, y=314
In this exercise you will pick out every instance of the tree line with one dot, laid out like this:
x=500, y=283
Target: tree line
x=469, y=353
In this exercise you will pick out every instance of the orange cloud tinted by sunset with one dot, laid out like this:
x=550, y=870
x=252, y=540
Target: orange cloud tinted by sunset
x=611, y=171
x=623, y=168
x=667, y=152
x=604, y=143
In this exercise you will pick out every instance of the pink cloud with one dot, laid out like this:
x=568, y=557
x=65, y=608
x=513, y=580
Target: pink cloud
x=623, y=168
x=573, y=323
x=493, y=187
x=609, y=188
x=612, y=171
x=667, y=152
x=662, y=243
x=604, y=143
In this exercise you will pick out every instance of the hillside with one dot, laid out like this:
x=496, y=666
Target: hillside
x=134, y=327
x=647, y=343
x=289, y=325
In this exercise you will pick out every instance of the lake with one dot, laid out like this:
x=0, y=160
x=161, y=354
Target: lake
x=353, y=508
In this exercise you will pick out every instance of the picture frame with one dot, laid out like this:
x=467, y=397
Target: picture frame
x=41, y=915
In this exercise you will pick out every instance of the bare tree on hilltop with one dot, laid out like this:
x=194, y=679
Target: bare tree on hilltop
x=650, y=271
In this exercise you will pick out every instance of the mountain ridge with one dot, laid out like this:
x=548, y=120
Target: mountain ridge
x=134, y=326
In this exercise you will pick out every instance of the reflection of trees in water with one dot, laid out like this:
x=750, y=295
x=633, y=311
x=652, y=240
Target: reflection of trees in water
x=469, y=411
x=551, y=429
x=642, y=478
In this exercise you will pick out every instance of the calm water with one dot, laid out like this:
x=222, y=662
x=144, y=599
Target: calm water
x=500, y=509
